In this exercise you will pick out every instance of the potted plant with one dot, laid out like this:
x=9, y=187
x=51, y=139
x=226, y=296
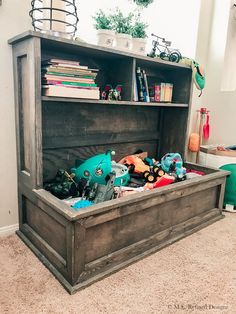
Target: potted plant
x=139, y=35
x=143, y=3
x=123, y=26
x=105, y=33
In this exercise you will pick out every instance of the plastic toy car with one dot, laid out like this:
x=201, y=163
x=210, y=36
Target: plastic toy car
x=136, y=165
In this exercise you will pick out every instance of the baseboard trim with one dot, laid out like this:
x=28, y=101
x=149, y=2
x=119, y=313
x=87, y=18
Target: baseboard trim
x=8, y=230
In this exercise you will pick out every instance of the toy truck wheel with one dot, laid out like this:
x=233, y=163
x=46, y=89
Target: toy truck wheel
x=150, y=178
x=146, y=174
x=160, y=172
x=155, y=170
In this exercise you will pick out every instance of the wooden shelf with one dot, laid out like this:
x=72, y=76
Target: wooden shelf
x=54, y=132
x=100, y=51
x=108, y=102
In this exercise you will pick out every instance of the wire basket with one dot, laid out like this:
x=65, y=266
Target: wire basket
x=57, y=17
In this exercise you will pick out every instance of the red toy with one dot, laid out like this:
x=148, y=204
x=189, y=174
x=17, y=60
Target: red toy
x=161, y=181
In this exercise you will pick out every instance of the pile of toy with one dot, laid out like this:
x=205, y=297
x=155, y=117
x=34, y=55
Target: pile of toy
x=100, y=178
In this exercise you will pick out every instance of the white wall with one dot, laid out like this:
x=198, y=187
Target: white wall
x=177, y=21
x=13, y=20
x=222, y=104
x=201, y=56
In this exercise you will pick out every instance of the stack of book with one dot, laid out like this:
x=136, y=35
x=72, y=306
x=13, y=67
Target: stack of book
x=65, y=78
x=158, y=92
x=161, y=92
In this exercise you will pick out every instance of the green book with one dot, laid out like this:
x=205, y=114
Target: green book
x=72, y=75
x=79, y=84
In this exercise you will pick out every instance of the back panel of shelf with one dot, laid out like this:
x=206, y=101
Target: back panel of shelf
x=79, y=131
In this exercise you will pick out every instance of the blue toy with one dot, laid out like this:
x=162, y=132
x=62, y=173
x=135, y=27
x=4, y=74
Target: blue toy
x=81, y=204
x=172, y=163
x=97, y=168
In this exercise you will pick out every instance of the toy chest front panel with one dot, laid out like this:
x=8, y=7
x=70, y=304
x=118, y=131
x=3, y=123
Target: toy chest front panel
x=88, y=245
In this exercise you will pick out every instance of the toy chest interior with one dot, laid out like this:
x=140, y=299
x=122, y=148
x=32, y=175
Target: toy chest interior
x=82, y=247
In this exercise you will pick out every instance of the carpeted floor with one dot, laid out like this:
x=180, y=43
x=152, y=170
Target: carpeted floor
x=194, y=275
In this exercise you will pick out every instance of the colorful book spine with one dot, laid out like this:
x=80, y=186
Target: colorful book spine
x=151, y=90
x=162, y=97
x=49, y=82
x=145, y=84
x=92, y=75
x=168, y=92
x=139, y=84
x=135, y=91
x=157, y=92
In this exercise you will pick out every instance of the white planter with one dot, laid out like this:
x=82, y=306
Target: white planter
x=106, y=37
x=139, y=45
x=123, y=41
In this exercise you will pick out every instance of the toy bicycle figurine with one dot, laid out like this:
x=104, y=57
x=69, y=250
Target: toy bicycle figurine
x=167, y=53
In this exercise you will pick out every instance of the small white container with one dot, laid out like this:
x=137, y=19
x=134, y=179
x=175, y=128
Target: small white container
x=139, y=45
x=123, y=41
x=106, y=37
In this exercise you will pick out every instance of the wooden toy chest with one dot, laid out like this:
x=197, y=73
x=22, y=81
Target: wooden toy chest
x=82, y=247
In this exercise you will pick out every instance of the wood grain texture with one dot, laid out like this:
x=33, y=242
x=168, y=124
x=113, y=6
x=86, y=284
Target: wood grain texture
x=128, y=229
x=173, y=132
x=64, y=158
x=27, y=83
x=147, y=105
x=124, y=257
x=98, y=51
x=46, y=227
x=82, y=247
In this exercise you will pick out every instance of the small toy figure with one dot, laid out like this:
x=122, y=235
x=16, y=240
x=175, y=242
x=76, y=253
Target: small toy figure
x=63, y=185
x=98, y=193
x=101, y=193
x=111, y=93
x=104, y=95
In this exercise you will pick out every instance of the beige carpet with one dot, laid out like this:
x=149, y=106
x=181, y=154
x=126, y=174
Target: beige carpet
x=194, y=275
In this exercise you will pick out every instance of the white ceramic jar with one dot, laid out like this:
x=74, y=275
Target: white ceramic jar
x=106, y=37
x=139, y=45
x=123, y=41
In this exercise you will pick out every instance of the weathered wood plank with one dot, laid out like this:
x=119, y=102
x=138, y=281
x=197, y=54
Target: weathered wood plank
x=27, y=82
x=79, y=249
x=47, y=201
x=141, y=224
x=46, y=227
x=105, y=137
x=75, y=46
x=55, y=100
x=121, y=258
x=64, y=158
x=156, y=196
x=36, y=249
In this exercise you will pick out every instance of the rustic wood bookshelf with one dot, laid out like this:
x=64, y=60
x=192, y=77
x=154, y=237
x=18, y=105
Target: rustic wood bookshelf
x=82, y=247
